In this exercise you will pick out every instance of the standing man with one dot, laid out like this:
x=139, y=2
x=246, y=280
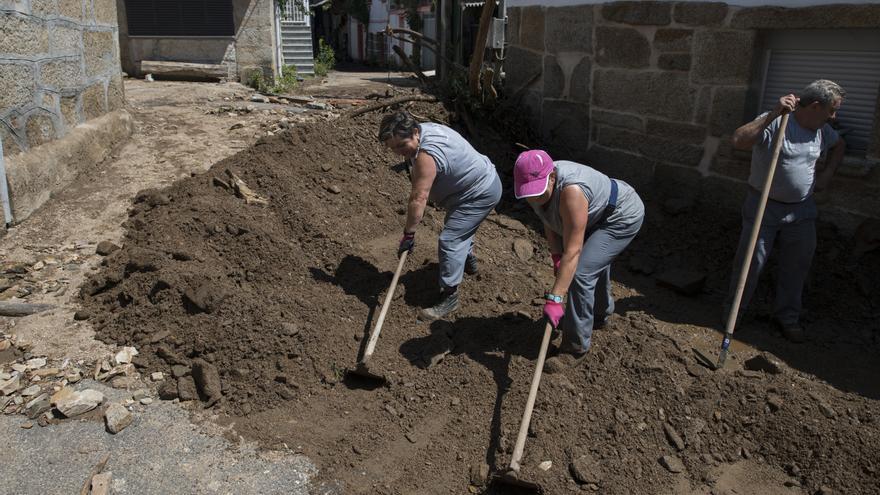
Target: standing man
x=790, y=215
x=589, y=218
x=446, y=169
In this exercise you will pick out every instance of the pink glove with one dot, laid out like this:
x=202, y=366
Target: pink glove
x=557, y=259
x=554, y=311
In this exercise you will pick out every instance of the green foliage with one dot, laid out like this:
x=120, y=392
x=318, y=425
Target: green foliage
x=257, y=81
x=284, y=84
x=287, y=82
x=326, y=58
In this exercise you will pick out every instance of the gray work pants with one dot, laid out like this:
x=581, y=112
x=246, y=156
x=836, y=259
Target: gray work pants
x=589, y=295
x=459, y=229
x=793, y=228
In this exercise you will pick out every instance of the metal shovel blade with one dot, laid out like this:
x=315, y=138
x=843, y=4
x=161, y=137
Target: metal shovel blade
x=363, y=370
x=704, y=359
x=510, y=478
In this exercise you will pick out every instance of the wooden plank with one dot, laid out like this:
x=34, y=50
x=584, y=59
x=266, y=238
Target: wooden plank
x=9, y=308
x=184, y=70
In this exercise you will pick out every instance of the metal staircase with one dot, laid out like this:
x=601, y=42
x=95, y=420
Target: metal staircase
x=296, y=37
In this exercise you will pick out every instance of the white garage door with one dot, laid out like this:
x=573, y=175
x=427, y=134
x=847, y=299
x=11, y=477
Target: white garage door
x=788, y=71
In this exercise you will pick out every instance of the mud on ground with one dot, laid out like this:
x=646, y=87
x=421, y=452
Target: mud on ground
x=279, y=298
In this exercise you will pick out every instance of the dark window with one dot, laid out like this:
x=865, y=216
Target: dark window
x=179, y=17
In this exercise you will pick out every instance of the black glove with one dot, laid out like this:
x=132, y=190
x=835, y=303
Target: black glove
x=407, y=243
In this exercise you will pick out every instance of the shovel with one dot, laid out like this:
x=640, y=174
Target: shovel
x=753, y=240
x=363, y=366
x=511, y=476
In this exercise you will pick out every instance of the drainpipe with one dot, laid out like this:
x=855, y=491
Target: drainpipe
x=4, y=190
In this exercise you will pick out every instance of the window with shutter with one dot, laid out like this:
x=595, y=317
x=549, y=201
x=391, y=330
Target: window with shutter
x=852, y=59
x=179, y=17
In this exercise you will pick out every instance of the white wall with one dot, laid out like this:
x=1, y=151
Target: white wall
x=742, y=3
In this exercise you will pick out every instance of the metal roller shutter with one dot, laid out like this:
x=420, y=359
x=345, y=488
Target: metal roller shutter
x=179, y=17
x=789, y=71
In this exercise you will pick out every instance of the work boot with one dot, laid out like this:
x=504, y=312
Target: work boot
x=470, y=264
x=448, y=303
x=568, y=357
x=793, y=332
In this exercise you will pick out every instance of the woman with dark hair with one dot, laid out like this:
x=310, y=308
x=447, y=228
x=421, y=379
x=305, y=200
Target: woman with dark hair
x=446, y=169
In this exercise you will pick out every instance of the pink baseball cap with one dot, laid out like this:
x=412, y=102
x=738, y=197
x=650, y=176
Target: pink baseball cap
x=531, y=173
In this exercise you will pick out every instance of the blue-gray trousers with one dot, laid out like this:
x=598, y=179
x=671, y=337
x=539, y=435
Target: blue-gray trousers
x=589, y=295
x=792, y=227
x=459, y=230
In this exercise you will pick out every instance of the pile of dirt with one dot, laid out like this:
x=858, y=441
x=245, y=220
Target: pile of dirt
x=279, y=298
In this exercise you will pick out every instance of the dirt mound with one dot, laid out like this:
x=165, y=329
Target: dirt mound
x=275, y=302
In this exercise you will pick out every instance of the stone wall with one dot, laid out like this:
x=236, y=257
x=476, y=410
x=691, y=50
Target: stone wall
x=252, y=48
x=651, y=91
x=59, y=66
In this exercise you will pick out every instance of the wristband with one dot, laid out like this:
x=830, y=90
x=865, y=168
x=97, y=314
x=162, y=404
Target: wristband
x=553, y=298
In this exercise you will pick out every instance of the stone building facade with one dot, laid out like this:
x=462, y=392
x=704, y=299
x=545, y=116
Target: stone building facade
x=61, y=96
x=652, y=91
x=251, y=45
x=59, y=66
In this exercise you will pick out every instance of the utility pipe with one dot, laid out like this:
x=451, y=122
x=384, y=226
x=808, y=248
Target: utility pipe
x=4, y=189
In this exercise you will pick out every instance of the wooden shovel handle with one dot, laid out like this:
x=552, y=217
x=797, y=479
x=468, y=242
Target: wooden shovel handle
x=530, y=403
x=756, y=229
x=374, y=335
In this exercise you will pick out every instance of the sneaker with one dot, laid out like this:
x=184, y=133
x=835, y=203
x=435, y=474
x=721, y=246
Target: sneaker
x=470, y=264
x=565, y=359
x=447, y=304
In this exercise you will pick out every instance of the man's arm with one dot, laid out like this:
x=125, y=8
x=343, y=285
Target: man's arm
x=424, y=172
x=835, y=157
x=746, y=136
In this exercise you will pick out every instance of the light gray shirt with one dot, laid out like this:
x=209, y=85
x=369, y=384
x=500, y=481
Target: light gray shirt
x=795, y=175
x=462, y=172
x=595, y=185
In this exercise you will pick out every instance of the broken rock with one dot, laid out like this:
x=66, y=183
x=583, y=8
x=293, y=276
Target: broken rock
x=106, y=247
x=763, y=362
x=168, y=390
x=10, y=386
x=101, y=483
x=30, y=391
x=207, y=380
x=523, y=249
x=117, y=417
x=672, y=463
x=673, y=436
x=124, y=356
x=38, y=405
x=186, y=389
x=585, y=470
x=79, y=402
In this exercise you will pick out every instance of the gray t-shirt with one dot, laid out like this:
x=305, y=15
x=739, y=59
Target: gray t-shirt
x=462, y=172
x=595, y=185
x=795, y=174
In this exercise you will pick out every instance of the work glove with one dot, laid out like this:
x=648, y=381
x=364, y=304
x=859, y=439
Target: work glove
x=557, y=259
x=553, y=311
x=407, y=243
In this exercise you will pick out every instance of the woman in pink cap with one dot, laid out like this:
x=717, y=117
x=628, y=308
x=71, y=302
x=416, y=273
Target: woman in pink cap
x=589, y=219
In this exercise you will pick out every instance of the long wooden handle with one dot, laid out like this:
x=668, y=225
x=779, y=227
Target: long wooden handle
x=374, y=336
x=756, y=229
x=530, y=403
